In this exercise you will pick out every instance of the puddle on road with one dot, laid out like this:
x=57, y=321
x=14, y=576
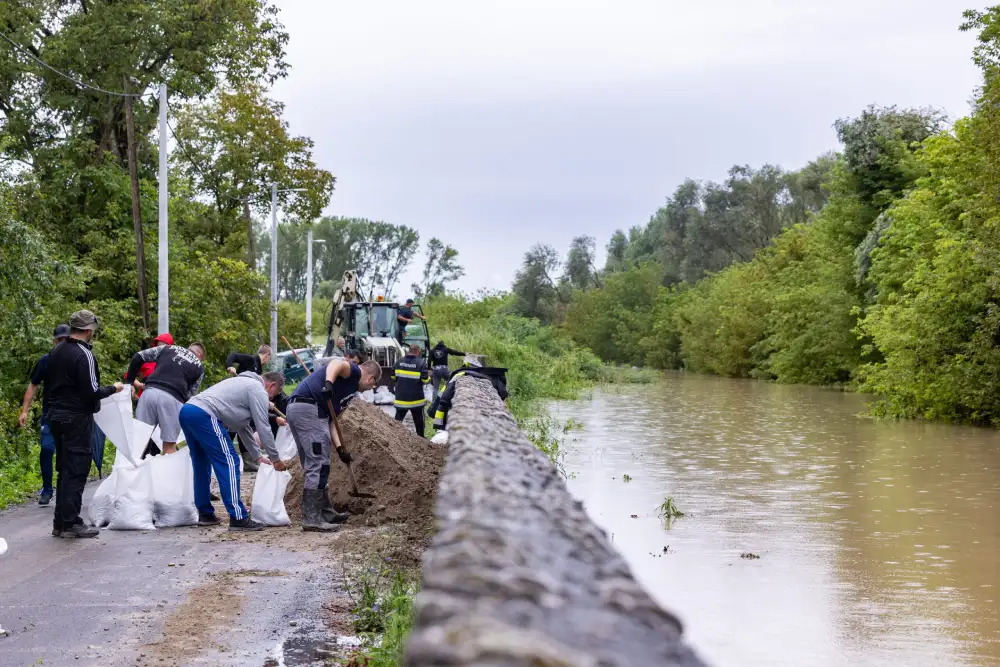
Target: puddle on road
x=311, y=646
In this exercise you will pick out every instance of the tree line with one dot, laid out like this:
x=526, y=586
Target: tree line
x=78, y=185
x=875, y=267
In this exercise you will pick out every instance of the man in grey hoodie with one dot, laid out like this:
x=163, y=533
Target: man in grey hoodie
x=238, y=404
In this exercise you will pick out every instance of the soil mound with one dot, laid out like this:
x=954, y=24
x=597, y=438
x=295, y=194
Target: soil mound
x=393, y=463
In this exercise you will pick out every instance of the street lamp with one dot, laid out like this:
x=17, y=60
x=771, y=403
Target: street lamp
x=309, y=283
x=274, y=270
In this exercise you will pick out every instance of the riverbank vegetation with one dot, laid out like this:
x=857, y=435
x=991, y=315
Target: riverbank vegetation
x=874, y=268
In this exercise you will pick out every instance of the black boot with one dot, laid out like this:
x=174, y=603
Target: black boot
x=312, y=512
x=330, y=515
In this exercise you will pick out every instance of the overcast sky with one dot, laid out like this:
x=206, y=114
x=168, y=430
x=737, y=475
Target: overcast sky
x=496, y=125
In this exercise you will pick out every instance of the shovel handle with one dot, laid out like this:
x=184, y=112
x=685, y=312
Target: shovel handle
x=340, y=440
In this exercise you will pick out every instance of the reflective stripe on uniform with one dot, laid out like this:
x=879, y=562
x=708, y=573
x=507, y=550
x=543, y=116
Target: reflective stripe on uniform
x=408, y=374
x=438, y=415
x=425, y=380
x=410, y=404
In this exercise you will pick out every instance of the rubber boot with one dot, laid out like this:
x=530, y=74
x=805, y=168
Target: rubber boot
x=312, y=513
x=330, y=515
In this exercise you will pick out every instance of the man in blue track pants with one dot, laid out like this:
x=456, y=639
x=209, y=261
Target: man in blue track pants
x=238, y=404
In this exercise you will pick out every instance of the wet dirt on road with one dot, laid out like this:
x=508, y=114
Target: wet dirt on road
x=878, y=542
x=181, y=596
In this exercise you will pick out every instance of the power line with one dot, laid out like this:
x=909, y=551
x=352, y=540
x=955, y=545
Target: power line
x=75, y=81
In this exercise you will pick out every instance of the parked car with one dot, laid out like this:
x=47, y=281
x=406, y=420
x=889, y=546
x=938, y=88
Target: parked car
x=292, y=369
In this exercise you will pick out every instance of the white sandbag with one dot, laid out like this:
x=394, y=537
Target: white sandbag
x=384, y=397
x=367, y=396
x=115, y=419
x=102, y=504
x=440, y=438
x=3, y=546
x=268, y=502
x=173, y=489
x=285, y=444
x=133, y=508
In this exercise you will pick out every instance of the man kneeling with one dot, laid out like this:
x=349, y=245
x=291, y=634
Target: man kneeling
x=309, y=422
x=238, y=404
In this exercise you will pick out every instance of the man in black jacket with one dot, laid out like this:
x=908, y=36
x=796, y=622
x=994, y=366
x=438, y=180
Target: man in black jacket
x=237, y=363
x=176, y=378
x=410, y=374
x=496, y=376
x=439, y=366
x=73, y=383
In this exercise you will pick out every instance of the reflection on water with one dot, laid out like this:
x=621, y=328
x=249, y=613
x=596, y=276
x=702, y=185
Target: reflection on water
x=878, y=540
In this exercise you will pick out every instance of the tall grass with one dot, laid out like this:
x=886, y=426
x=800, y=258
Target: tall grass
x=542, y=362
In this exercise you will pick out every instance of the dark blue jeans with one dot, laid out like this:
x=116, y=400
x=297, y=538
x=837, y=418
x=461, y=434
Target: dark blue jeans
x=45, y=456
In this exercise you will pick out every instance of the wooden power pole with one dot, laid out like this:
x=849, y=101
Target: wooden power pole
x=140, y=241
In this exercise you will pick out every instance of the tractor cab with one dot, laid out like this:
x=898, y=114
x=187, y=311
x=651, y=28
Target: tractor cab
x=372, y=327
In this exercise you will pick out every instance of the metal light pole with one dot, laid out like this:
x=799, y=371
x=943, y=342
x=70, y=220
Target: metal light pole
x=274, y=271
x=163, y=282
x=309, y=283
x=274, y=276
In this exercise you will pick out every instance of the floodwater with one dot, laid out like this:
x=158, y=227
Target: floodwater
x=879, y=542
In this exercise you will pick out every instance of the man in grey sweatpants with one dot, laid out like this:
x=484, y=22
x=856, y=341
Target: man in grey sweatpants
x=309, y=421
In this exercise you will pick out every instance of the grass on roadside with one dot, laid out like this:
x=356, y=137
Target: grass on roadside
x=382, y=595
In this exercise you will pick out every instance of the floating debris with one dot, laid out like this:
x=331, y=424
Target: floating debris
x=635, y=516
x=626, y=477
x=667, y=509
x=749, y=556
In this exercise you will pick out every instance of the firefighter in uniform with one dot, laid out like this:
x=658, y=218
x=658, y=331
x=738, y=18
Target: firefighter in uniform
x=411, y=375
x=473, y=368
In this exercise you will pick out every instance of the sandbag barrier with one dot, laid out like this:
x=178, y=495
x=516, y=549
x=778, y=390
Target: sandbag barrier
x=517, y=574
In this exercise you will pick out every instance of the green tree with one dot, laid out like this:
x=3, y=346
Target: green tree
x=535, y=291
x=440, y=268
x=579, y=271
x=233, y=147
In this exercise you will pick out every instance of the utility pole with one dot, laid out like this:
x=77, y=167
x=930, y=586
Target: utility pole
x=309, y=283
x=274, y=270
x=163, y=282
x=251, y=258
x=274, y=276
x=140, y=240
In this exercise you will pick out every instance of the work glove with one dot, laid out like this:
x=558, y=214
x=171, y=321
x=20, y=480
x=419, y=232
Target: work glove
x=344, y=455
x=327, y=391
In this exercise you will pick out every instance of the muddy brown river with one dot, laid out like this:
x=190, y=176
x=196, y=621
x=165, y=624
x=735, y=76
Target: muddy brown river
x=879, y=542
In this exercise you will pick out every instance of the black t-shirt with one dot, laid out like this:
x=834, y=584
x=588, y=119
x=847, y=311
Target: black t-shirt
x=178, y=370
x=38, y=377
x=312, y=387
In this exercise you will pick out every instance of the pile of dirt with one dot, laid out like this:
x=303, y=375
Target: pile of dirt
x=393, y=463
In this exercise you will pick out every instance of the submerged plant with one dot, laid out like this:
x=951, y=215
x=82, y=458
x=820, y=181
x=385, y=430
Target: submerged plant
x=667, y=509
x=627, y=477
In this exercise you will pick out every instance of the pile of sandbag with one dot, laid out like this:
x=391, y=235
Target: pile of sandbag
x=141, y=494
x=383, y=396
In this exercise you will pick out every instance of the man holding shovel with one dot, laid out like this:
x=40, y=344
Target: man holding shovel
x=309, y=420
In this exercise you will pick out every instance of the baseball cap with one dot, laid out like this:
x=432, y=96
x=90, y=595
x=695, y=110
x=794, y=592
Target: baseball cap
x=409, y=301
x=62, y=331
x=83, y=319
x=164, y=338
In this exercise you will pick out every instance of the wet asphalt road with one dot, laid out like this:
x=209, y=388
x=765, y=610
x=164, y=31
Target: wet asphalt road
x=103, y=601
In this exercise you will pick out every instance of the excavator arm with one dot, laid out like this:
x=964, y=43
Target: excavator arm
x=347, y=292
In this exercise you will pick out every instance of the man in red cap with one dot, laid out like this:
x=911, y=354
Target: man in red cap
x=147, y=368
